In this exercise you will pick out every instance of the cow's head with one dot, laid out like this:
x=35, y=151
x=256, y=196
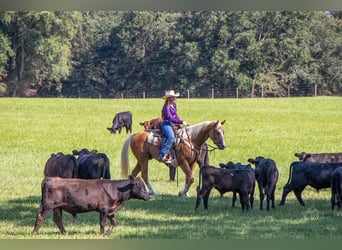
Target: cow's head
x=302, y=156
x=139, y=190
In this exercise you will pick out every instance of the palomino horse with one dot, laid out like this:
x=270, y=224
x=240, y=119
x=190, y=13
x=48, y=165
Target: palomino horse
x=191, y=140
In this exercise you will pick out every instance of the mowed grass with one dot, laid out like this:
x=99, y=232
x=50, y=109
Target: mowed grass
x=32, y=129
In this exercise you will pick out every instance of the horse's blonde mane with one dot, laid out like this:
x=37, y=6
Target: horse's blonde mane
x=194, y=130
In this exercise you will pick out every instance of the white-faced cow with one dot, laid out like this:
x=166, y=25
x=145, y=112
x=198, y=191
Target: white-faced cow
x=240, y=181
x=79, y=196
x=302, y=174
x=319, y=157
x=336, y=188
x=122, y=120
x=61, y=165
x=266, y=174
x=92, y=165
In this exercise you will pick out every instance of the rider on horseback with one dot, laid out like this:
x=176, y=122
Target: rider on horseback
x=170, y=118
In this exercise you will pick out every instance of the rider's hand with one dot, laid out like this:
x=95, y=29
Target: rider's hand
x=184, y=123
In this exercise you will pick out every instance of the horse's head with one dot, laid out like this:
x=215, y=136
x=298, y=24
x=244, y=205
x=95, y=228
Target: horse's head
x=216, y=134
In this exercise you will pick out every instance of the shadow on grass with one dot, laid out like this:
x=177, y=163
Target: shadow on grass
x=173, y=217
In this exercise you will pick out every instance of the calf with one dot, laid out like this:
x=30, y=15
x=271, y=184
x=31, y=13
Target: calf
x=120, y=120
x=321, y=157
x=61, y=165
x=79, y=196
x=336, y=188
x=238, y=180
x=302, y=174
x=231, y=165
x=266, y=175
x=92, y=165
x=151, y=124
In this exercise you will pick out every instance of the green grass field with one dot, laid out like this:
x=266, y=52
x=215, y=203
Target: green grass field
x=32, y=129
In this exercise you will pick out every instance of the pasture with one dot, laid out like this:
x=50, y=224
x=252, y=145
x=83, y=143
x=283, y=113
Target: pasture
x=32, y=129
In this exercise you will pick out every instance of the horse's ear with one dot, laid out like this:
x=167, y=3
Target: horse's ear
x=223, y=122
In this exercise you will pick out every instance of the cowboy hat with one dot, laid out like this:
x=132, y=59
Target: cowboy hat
x=170, y=93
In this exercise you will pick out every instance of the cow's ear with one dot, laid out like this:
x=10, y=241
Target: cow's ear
x=130, y=178
x=251, y=161
x=75, y=152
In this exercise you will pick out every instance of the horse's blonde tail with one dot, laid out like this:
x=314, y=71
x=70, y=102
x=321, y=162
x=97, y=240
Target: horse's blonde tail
x=125, y=157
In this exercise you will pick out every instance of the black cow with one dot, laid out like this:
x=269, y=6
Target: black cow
x=320, y=157
x=120, y=120
x=232, y=165
x=61, y=165
x=92, y=165
x=238, y=180
x=302, y=174
x=266, y=175
x=336, y=188
x=79, y=196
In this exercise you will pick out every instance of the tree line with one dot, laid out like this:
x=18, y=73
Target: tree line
x=108, y=53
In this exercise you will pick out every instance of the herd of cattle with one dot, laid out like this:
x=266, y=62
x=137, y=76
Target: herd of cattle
x=81, y=182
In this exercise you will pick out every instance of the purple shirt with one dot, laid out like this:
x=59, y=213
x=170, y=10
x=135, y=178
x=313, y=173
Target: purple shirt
x=169, y=113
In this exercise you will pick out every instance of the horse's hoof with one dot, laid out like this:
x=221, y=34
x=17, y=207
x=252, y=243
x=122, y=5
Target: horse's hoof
x=183, y=194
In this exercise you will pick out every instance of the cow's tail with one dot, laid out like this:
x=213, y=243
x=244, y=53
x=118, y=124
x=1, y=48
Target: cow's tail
x=290, y=174
x=125, y=157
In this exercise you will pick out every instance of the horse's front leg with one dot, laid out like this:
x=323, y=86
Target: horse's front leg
x=189, y=179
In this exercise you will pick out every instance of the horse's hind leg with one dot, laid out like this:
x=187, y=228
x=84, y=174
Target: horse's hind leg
x=144, y=176
x=136, y=170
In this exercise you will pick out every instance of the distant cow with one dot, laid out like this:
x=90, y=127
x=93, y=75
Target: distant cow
x=92, y=165
x=232, y=165
x=61, y=165
x=120, y=120
x=238, y=180
x=79, y=196
x=151, y=124
x=336, y=188
x=320, y=157
x=266, y=175
x=302, y=174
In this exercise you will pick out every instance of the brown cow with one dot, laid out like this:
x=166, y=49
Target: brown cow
x=320, y=157
x=79, y=196
x=151, y=124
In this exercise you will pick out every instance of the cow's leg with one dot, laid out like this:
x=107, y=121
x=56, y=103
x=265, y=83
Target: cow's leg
x=244, y=201
x=199, y=198
x=298, y=193
x=103, y=217
x=41, y=216
x=206, y=199
x=261, y=196
x=234, y=199
x=57, y=218
x=112, y=219
x=287, y=189
x=273, y=196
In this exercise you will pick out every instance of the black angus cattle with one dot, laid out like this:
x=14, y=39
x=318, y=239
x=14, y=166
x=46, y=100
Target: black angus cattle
x=92, y=165
x=266, y=175
x=79, y=196
x=336, y=188
x=320, y=157
x=302, y=174
x=120, y=120
x=232, y=165
x=239, y=180
x=61, y=165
